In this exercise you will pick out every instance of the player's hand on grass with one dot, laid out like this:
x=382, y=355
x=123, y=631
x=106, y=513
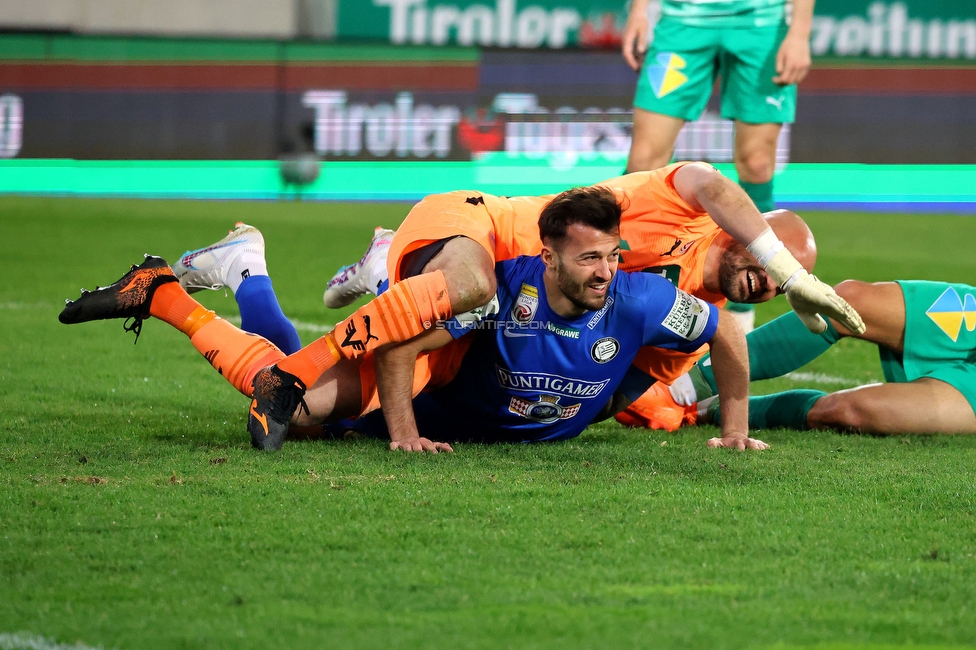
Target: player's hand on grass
x=737, y=442
x=634, y=41
x=421, y=444
x=792, y=60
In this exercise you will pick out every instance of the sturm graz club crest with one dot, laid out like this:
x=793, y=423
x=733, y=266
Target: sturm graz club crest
x=604, y=350
x=547, y=410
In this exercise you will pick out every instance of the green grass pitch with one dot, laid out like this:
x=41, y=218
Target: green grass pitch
x=134, y=514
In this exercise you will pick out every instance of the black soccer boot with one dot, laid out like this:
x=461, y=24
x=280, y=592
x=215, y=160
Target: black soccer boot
x=129, y=297
x=275, y=397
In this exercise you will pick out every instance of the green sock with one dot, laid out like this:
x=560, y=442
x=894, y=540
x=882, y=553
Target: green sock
x=739, y=306
x=787, y=410
x=761, y=194
x=780, y=346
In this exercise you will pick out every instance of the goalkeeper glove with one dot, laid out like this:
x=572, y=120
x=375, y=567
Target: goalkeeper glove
x=807, y=295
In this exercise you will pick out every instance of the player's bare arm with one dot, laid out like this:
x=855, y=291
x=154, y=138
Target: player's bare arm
x=470, y=284
x=394, y=383
x=704, y=188
x=793, y=57
x=634, y=42
x=730, y=362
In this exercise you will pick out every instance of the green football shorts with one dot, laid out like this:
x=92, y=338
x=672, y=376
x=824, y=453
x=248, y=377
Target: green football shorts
x=682, y=62
x=940, y=337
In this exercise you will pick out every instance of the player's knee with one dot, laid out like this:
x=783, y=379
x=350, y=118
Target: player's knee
x=472, y=290
x=755, y=166
x=855, y=292
x=645, y=156
x=851, y=290
x=840, y=411
x=646, y=163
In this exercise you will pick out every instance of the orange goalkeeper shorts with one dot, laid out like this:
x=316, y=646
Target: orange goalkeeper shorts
x=488, y=220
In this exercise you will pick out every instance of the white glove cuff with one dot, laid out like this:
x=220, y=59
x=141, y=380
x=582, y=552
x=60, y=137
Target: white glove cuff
x=784, y=269
x=765, y=246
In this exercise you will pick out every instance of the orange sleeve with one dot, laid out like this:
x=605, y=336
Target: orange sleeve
x=652, y=192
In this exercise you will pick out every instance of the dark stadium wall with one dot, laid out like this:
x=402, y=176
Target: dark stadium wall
x=883, y=112
x=145, y=98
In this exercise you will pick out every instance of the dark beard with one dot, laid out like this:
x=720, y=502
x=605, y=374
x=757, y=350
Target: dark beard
x=730, y=269
x=574, y=293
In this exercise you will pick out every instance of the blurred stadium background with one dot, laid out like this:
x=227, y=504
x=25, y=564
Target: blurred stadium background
x=401, y=98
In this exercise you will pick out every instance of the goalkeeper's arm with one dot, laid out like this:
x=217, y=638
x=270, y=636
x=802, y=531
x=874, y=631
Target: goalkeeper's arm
x=705, y=188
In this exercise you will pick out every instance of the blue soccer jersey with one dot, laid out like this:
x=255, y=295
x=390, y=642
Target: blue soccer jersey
x=533, y=375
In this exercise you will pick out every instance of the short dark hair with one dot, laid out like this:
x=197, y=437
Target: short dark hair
x=592, y=206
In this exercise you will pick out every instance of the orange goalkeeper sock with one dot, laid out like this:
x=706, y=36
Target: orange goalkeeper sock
x=399, y=314
x=172, y=304
x=234, y=353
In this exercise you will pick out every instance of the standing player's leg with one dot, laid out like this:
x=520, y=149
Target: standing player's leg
x=754, y=155
x=673, y=88
x=759, y=107
x=652, y=144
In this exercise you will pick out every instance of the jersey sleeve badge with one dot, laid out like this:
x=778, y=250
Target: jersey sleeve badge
x=526, y=304
x=688, y=316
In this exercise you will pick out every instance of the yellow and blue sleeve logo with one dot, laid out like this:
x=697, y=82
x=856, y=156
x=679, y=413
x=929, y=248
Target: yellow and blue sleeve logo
x=666, y=76
x=949, y=312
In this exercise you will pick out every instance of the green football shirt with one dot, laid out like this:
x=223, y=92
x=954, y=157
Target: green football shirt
x=726, y=13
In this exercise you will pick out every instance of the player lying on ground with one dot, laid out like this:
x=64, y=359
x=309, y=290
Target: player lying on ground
x=684, y=221
x=926, y=355
x=545, y=368
x=441, y=263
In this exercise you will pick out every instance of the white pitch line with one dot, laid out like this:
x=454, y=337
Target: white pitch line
x=820, y=378
x=312, y=327
x=25, y=305
x=27, y=641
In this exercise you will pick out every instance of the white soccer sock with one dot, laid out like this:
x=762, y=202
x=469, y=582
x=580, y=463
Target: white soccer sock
x=683, y=390
x=377, y=271
x=244, y=266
